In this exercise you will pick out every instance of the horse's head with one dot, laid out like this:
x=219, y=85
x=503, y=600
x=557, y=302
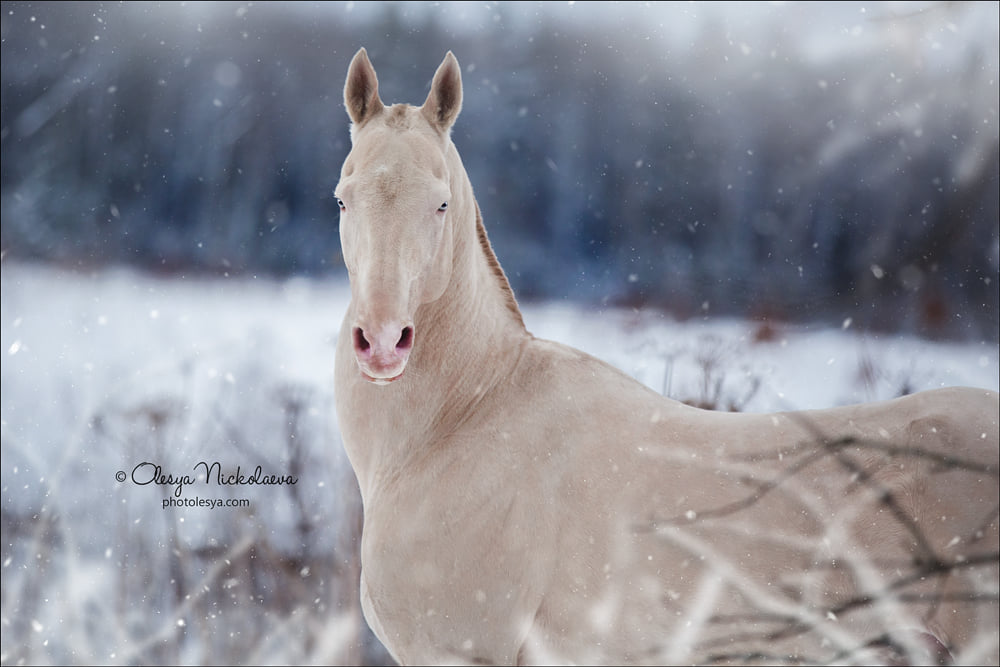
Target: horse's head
x=394, y=195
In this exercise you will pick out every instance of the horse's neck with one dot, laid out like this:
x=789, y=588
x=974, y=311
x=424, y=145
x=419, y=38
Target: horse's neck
x=471, y=335
x=467, y=342
x=478, y=293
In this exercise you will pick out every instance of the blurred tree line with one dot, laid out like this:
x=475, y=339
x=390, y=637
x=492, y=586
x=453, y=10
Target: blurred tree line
x=612, y=166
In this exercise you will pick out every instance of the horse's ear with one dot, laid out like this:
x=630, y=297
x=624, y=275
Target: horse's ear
x=361, y=90
x=445, y=99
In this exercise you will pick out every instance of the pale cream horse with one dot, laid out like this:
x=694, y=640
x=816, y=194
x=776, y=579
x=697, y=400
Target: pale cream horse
x=527, y=503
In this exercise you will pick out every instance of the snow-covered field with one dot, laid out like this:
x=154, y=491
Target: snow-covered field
x=104, y=372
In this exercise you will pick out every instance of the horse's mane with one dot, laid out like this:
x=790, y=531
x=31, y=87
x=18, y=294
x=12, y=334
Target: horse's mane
x=494, y=264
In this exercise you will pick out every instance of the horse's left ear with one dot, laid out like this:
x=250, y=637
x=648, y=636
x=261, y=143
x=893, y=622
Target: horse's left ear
x=445, y=99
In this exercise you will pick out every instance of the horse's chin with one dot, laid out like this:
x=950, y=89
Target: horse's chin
x=381, y=380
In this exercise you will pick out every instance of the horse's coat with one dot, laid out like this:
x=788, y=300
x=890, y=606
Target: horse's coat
x=525, y=502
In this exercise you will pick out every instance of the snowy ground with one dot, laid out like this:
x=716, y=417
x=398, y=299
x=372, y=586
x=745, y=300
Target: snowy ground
x=102, y=372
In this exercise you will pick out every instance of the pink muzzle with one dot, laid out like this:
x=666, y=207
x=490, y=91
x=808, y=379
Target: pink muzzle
x=382, y=352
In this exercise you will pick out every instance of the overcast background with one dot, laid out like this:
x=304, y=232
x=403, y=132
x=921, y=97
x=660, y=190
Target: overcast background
x=744, y=206
x=793, y=161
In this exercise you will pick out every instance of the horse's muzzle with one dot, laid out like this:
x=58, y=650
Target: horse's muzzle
x=382, y=352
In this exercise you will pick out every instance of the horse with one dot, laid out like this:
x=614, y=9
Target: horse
x=525, y=503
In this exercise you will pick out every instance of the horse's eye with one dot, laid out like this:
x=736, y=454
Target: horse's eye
x=443, y=207
x=340, y=203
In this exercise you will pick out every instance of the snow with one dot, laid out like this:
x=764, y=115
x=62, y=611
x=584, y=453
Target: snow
x=103, y=371
x=800, y=368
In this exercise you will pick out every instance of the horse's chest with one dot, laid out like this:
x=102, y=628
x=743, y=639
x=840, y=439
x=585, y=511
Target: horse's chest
x=437, y=588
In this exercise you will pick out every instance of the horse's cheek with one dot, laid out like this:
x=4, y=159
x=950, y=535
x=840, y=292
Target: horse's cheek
x=347, y=248
x=439, y=270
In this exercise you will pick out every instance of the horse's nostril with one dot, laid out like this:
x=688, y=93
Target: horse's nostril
x=360, y=342
x=405, y=339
